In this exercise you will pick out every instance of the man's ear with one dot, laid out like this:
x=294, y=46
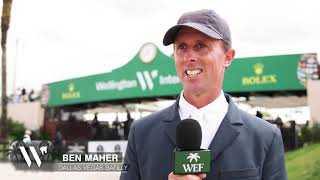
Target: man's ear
x=229, y=57
x=174, y=47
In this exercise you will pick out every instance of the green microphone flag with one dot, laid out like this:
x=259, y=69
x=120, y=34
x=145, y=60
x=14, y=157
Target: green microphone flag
x=191, y=162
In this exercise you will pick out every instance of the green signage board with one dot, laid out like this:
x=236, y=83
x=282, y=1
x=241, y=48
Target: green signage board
x=140, y=78
x=152, y=74
x=269, y=73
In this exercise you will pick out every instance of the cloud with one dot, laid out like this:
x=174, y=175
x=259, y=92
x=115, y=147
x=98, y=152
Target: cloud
x=61, y=39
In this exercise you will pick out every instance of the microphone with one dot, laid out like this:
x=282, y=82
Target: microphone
x=188, y=157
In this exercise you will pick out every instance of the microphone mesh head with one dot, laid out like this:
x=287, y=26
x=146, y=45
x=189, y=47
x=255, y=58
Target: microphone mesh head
x=188, y=135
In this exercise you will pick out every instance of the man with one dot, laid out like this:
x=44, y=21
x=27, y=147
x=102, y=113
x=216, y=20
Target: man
x=242, y=146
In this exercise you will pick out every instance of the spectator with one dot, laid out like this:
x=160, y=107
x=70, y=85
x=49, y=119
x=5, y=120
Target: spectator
x=17, y=96
x=58, y=139
x=23, y=95
x=96, y=128
x=116, y=126
x=31, y=96
x=127, y=125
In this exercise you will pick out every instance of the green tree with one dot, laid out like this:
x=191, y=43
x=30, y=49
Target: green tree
x=5, y=22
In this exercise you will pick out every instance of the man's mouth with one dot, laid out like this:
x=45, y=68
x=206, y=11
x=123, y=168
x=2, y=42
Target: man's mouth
x=193, y=72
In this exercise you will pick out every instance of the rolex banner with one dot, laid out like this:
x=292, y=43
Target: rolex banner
x=270, y=73
x=191, y=162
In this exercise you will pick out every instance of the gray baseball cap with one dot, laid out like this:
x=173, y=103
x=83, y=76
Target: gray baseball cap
x=206, y=21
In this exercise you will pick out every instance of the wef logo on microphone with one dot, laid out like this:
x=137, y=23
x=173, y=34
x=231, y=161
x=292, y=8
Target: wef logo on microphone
x=192, y=162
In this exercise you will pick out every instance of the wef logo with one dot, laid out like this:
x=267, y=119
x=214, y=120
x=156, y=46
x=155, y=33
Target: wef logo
x=193, y=167
x=193, y=156
x=192, y=162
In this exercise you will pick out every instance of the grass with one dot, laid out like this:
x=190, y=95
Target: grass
x=304, y=163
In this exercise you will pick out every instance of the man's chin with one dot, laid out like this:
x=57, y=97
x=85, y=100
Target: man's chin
x=193, y=90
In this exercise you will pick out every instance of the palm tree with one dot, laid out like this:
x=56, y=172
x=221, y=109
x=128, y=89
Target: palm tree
x=193, y=156
x=5, y=22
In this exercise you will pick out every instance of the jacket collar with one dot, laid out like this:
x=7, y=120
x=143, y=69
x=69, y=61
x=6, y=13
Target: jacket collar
x=227, y=132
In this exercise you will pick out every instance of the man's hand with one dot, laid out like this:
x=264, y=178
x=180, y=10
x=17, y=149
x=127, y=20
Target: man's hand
x=186, y=177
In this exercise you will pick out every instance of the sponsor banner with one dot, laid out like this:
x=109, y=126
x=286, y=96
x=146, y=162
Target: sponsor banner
x=269, y=73
x=155, y=76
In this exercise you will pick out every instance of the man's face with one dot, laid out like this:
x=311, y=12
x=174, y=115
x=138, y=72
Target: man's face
x=200, y=61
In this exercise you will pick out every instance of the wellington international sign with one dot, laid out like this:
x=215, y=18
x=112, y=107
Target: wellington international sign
x=152, y=74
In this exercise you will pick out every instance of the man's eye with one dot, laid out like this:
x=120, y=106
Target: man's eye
x=199, y=46
x=182, y=46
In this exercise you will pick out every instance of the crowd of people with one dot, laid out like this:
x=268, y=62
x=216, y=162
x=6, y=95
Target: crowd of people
x=118, y=131
x=22, y=96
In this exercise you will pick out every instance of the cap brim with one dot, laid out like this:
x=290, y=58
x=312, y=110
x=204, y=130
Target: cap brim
x=170, y=35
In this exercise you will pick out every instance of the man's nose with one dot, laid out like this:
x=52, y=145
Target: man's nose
x=190, y=55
